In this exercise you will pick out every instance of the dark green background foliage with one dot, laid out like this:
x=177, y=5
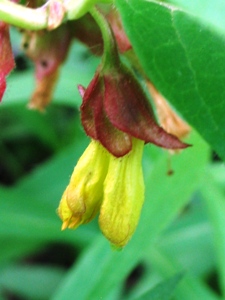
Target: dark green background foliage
x=177, y=251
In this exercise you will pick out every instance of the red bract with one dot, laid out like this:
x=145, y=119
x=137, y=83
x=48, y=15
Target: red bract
x=7, y=61
x=115, y=109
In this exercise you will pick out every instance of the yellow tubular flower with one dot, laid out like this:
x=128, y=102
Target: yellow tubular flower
x=123, y=196
x=83, y=196
x=117, y=115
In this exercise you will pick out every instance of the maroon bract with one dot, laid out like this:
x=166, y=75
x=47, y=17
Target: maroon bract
x=7, y=60
x=115, y=109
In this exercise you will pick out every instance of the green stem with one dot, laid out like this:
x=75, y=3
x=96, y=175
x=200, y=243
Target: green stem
x=23, y=17
x=36, y=19
x=110, y=55
x=77, y=8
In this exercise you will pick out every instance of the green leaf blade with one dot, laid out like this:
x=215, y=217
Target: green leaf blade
x=163, y=290
x=184, y=59
x=213, y=196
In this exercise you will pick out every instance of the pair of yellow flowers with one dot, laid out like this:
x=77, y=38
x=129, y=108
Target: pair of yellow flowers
x=112, y=186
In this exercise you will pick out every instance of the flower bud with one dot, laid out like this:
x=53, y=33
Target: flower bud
x=123, y=196
x=83, y=196
x=48, y=50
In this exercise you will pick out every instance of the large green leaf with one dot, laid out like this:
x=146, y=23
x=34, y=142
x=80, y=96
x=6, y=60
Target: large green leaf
x=211, y=12
x=184, y=59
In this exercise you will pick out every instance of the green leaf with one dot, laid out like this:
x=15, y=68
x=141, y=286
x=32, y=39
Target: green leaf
x=31, y=282
x=191, y=233
x=163, y=290
x=16, y=247
x=215, y=201
x=217, y=171
x=188, y=243
x=165, y=197
x=191, y=287
x=184, y=59
x=211, y=13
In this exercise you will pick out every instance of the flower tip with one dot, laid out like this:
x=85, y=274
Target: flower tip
x=81, y=90
x=75, y=223
x=35, y=106
x=65, y=224
x=170, y=141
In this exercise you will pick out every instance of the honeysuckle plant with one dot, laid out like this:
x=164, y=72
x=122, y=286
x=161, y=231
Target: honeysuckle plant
x=117, y=78
x=115, y=113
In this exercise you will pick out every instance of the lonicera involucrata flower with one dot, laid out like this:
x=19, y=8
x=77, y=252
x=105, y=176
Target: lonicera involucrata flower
x=113, y=186
x=117, y=115
x=123, y=196
x=83, y=196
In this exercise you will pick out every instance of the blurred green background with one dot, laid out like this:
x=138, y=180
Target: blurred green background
x=177, y=252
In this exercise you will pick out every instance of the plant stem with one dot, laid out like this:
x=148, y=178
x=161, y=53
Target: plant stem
x=36, y=19
x=110, y=48
x=77, y=8
x=23, y=17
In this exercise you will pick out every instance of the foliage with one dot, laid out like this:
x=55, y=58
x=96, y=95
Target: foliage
x=177, y=251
